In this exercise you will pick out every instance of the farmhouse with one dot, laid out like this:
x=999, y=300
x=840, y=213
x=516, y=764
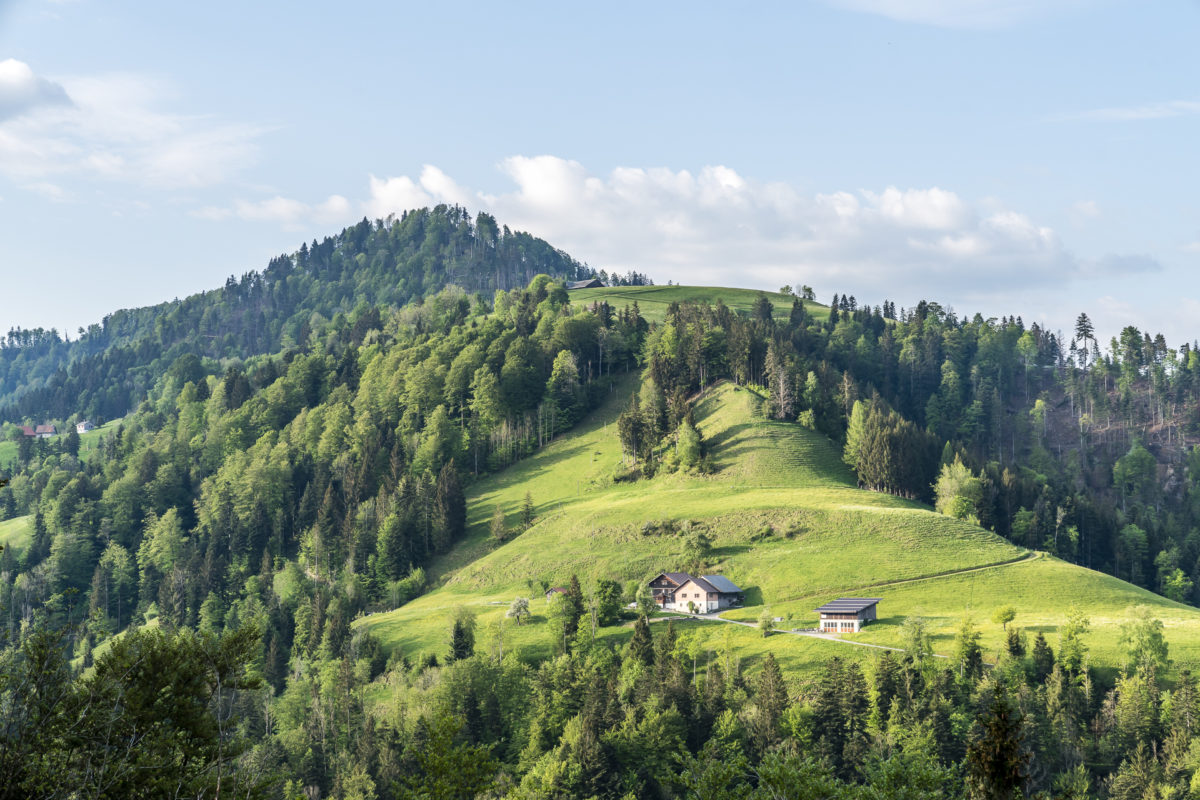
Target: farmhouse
x=84, y=427
x=679, y=591
x=847, y=614
x=594, y=283
x=40, y=432
x=28, y=431
x=555, y=591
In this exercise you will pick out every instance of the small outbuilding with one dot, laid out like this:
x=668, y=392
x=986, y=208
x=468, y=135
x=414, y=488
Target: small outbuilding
x=593, y=283
x=84, y=427
x=847, y=614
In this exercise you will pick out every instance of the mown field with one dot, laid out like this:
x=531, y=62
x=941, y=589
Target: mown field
x=653, y=300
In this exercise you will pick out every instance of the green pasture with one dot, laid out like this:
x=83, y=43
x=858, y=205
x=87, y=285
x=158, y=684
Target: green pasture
x=786, y=523
x=16, y=532
x=653, y=300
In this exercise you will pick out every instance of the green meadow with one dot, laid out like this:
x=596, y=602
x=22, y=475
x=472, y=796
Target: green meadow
x=653, y=300
x=16, y=532
x=787, y=524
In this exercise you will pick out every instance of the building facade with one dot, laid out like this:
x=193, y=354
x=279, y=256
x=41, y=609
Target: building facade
x=847, y=614
x=679, y=591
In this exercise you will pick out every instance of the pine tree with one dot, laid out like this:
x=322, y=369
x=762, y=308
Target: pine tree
x=996, y=762
x=641, y=645
x=573, y=609
x=1043, y=658
x=771, y=698
x=450, y=507
x=527, y=512
x=461, y=644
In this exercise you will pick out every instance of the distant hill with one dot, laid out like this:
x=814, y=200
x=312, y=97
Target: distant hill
x=382, y=264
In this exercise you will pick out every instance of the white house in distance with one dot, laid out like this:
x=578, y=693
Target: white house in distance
x=847, y=614
x=679, y=591
x=84, y=427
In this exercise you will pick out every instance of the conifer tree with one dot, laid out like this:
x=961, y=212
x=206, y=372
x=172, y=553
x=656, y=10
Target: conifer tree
x=641, y=645
x=996, y=763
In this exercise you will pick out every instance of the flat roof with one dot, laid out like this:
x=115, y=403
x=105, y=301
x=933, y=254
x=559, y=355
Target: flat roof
x=848, y=605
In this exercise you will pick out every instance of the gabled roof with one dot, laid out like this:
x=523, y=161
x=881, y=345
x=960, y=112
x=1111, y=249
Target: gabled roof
x=45, y=429
x=677, y=578
x=848, y=605
x=557, y=590
x=704, y=585
x=722, y=584
x=28, y=431
x=591, y=283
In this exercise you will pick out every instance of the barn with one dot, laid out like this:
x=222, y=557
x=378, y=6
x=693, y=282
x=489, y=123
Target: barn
x=592, y=283
x=847, y=614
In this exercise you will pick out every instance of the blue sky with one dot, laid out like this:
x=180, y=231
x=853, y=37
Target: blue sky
x=1003, y=157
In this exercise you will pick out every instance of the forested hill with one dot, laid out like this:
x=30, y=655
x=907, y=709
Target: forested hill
x=110, y=367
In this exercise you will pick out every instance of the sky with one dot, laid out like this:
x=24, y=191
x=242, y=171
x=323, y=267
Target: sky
x=1013, y=157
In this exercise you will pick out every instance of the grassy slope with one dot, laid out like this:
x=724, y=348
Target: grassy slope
x=16, y=532
x=653, y=300
x=829, y=539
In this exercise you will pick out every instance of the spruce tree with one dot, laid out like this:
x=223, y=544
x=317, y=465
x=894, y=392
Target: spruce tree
x=1043, y=658
x=527, y=512
x=572, y=607
x=641, y=645
x=461, y=642
x=995, y=758
x=771, y=697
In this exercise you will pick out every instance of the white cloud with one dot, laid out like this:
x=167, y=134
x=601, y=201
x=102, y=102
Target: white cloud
x=292, y=215
x=714, y=226
x=111, y=128
x=22, y=91
x=960, y=13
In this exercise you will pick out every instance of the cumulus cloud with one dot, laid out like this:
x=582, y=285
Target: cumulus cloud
x=715, y=226
x=959, y=13
x=22, y=91
x=111, y=128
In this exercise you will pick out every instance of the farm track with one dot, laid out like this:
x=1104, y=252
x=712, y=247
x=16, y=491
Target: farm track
x=1031, y=555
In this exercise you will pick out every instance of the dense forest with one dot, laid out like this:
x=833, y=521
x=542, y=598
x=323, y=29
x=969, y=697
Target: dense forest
x=107, y=370
x=296, y=453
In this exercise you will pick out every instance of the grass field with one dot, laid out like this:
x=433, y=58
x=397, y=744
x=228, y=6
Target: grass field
x=653, y=300
x=16, y=532
x=787, y=524
x=88, y=442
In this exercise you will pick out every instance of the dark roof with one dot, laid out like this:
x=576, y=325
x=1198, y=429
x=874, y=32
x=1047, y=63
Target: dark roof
x=848, y=605
x=678, y=578
x=722, y=584
x=593, y=283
